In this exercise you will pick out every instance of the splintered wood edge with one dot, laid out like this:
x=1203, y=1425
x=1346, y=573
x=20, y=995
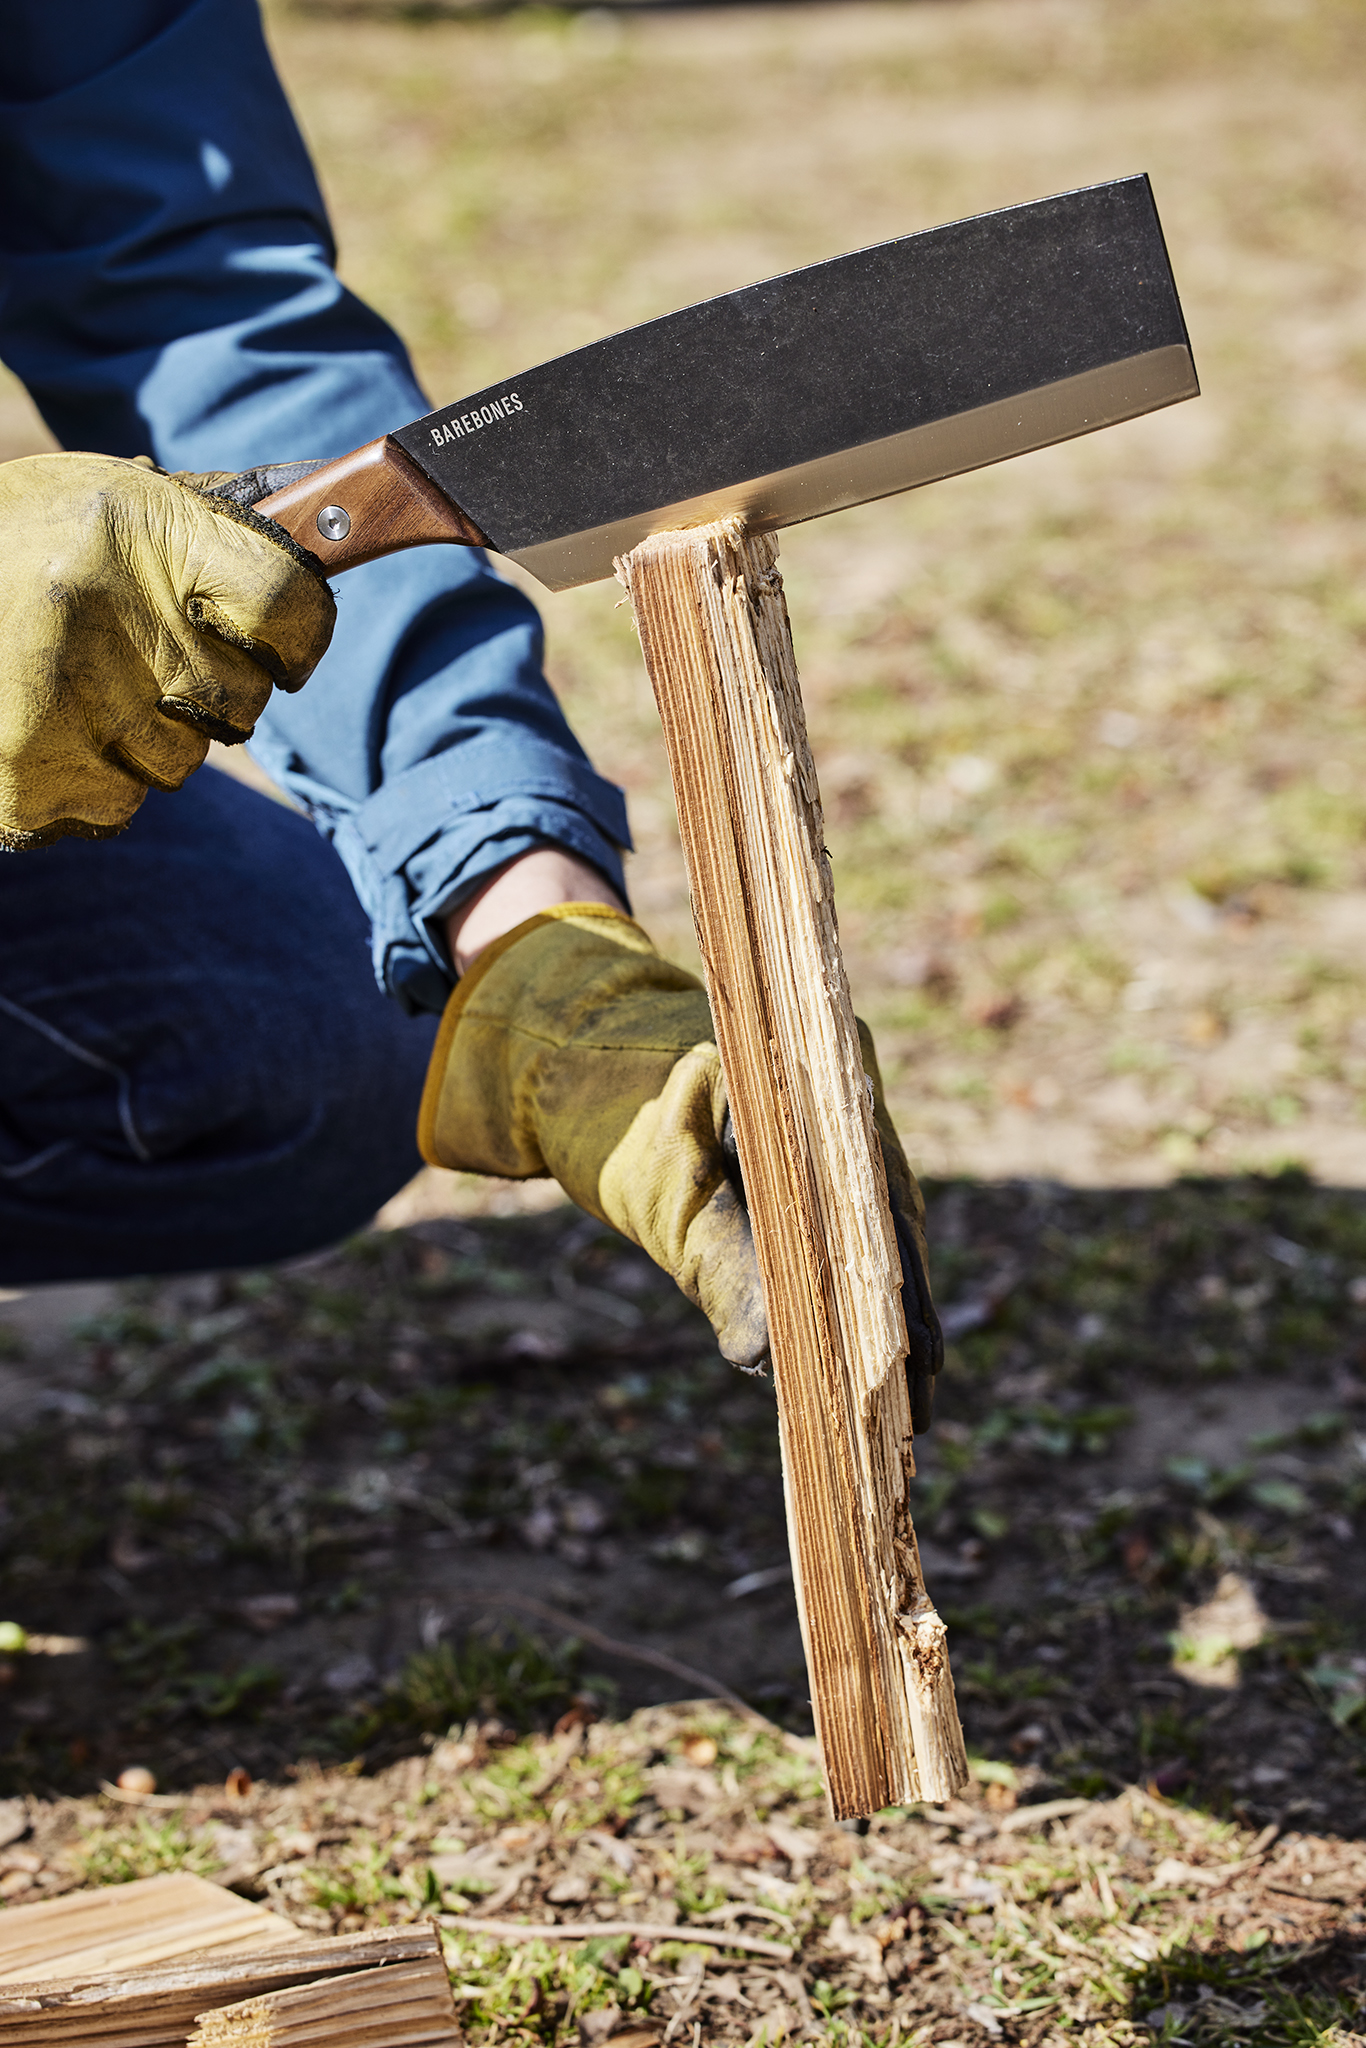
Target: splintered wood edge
x=411, y=2001
x=173, y=1986
x=717, y=642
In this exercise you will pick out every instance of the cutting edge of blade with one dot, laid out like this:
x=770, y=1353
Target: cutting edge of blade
x=1060, y=411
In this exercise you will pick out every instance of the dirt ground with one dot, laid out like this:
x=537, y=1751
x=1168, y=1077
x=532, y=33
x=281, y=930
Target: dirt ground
x=1088, y=732
x=346, y=1528
x=254, y=1501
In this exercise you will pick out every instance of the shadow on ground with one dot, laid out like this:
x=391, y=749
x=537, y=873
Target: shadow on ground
x=1294, y=1991
x=322, y=1511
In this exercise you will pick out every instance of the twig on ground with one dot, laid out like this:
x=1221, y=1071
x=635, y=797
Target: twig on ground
x=634, y=1653
x=1025, y=1817
x=150, y=1799
x=594, y=1930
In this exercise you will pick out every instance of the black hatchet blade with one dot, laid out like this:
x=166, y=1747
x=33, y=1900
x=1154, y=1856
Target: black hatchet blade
x=825, y=387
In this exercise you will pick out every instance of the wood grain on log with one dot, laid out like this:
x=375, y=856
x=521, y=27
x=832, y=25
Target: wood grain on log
x=131, y=1926
x=713, y=625
x=408, y=2005
x=158, y=2008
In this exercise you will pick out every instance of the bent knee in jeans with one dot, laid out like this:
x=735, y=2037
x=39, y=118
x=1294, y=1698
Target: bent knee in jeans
x=196, y=1068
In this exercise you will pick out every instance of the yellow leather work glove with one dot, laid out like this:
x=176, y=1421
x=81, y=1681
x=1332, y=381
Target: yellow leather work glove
x=139, y=619
x=572, y=1049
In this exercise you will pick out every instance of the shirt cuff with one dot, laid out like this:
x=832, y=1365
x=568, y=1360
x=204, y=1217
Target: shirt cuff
x=425, y=841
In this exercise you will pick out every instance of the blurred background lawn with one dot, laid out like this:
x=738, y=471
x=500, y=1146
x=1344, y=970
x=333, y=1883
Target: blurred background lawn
x=1088, y=723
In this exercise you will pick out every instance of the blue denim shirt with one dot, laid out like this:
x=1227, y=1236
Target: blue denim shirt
x=167, y=288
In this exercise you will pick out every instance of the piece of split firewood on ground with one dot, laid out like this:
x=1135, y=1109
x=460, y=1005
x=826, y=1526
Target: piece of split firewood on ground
x=132, y=1926
x=408, y=2005
x=159, y=2005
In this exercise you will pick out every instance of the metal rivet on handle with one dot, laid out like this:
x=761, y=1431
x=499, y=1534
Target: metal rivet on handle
x=334, y=523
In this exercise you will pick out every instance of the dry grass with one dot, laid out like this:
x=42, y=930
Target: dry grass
x=1086, y=723
x=1109, y=1921
x=318, y=1514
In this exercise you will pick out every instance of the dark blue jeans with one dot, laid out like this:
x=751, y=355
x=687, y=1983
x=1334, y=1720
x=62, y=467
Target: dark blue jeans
x=196, y=1067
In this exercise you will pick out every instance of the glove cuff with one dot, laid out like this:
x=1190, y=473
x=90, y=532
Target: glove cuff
x=600, y=920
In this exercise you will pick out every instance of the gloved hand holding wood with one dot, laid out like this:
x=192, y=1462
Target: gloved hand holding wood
x=571, y=1048
x=139, y=619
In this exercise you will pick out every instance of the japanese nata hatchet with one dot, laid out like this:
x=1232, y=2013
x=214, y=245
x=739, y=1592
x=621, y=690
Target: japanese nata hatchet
x=826, y=387
x=671, y=452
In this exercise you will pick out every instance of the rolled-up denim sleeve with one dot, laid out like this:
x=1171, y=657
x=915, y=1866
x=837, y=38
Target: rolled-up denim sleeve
x=167, y=287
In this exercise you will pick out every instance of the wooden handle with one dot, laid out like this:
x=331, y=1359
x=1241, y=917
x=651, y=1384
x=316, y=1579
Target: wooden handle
x=369, y=503
x=717, y=643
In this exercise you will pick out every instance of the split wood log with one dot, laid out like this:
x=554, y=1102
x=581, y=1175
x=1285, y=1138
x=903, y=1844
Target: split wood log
x=408, y=2005
x=714, y=629
x=131, y=1926
x=159, y=2007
